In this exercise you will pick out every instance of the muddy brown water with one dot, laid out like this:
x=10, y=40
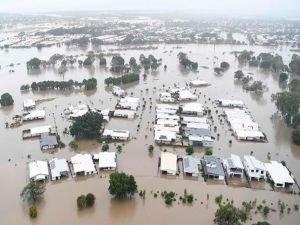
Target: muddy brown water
x=59, y=206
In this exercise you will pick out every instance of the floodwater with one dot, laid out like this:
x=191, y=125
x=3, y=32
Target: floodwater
x=59, y=205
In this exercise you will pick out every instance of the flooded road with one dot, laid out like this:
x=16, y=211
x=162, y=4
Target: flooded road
x=60, y=198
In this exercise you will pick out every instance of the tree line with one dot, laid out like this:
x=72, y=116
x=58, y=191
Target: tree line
x=127, y=78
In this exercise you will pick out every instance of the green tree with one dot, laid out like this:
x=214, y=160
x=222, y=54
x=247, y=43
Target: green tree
x=33, y=192
x=150, y=149
x=294, y=85
x=296, y=121
x=224, y=65
x=283, y=77
x=34, y=63
x=33, y=211
x=296, y=136
x=87, y=126
x=295, y=64
x=102, y=61
x=239, y=74
x=288, y=104
x=122, y=185
x=105, y=147
x=262, y=223
x=90, y=199
x=228, y=215
x=208, y=151
x=189, y=150
x=6, y=100
x=81, y=202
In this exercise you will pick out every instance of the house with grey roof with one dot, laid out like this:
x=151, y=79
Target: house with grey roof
x=191, y=165
x=234, y=166
x=212, y=167
x=48, y=141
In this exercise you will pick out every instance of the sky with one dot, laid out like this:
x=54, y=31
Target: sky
x=281, y=8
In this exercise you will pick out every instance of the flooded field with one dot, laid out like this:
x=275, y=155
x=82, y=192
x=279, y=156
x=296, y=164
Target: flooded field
x=59, y=204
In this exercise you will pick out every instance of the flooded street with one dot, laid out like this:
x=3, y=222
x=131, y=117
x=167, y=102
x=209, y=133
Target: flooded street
x=60, y=197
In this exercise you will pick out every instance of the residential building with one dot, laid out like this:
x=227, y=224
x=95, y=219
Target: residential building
x=234, y=166
x=83, y=164
x=279, y=175
x=38, y=170
x=213, y=168
x=168, y=163
x=107, y=160
x=254, y=168
x=58, y=168
x=191, y=165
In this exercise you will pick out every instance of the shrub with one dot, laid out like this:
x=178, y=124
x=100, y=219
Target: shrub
x=150, y=149
x=190, y=198
x=296, y=136
x=90, y=200
x=208, y=151
x=105, y=147
x=189, y=150
x=33, y=211
x=73, y=145
x=81, y=202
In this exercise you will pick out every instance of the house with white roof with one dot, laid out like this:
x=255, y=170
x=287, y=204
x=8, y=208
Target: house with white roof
x=174, y=129
x=107, y=160
x=254, y=168
x=199, y=83
x=279, y=175
x=124, y=113
x=38, y=170
x=201, y=141
x=117, y=91
x=29, y=104
x=193, y=109
x=230, y=103
x=191, y=165
x=116, y=134
x=164, y=137
x=58, y=168
x=130, y=103
x=167, y=123
x=166, y=97
x=168, y=163
x=83, y=164
x=167, y=116
x=234, y=166
x=36, y=131
x=186, y=119
x=34, y=115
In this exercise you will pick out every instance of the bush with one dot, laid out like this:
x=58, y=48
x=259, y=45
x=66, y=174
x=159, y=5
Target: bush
x=81, y=202
x=90, y=200
x=73, y=145
x=33, y=211
x=190, y=198
x=296, y=136
x=105, y=147
x=266, y=211
x=208, y=151
x=6, y=100
x=189, y=150
x=150, y=149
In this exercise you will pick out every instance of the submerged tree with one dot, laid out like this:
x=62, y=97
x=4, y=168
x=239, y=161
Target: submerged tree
x=33, y=192
x=6, y=100
x=229, y=215
x=122, y=185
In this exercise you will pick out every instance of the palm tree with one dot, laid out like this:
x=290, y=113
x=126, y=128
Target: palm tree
x=33, y=192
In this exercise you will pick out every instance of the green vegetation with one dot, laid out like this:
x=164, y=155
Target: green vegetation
x=294, y=85
x=265, y=211
x=189, y=198
x=87, y=126
x=224, y=65
x=208, y=151
x=33, y=192
x=90, y=200
x=150, y=149
x=33, y=211
x=218, y=199
x=105, y=148
x=169, y=197
x=189, y=150
x=117, y=64
x=6, y=99
x=262, y=223
x=81, y=202
x=122, y=80
x=119, y=148
x=73, y=145
x=283, y=77
x=34, y=63
x=88, y=84
x=229, y=215
x=295, y=64
x=296, y=136
x=121, y=185
x=238, y=74
x=185, y=62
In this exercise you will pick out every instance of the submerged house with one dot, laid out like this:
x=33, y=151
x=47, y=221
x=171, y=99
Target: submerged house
x=199, y=83
x=254, y=168
x=83, y=164
x=193, y=109
x=38, y=170
x=191, y=165
x=48, y=141
x=58, y=168
x=124, y=113
x=279, y=175
x=213, y=168
x=116, y=134
x=130, y=103
x=201, y=141
x=34, y=115
x=29, y=104
x=107, y=160
x=168, y=163
x=166, y=97
x=234, y=166
x=164, y=137
x=117, y=91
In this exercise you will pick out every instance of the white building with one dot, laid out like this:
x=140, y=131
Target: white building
x=201, y=141
x=36, y=131
x=234, y=166
x=230, y=103
x=34, y=115
x=167, y=116
x=58, y=168
x=124, y=113
x=107, y=160
x=164, y=137
x=193, y=108
x=83, y=164
x=168, y=163
x=185, y=120
x=29, y=104
x=279, y=174
x=199, y=83
x=166, y=97
x=254, y=168
x=167, y=123
x=116, y=134
x=128, y=103
x=174, y=129
x=118, y=91
x=38, y=170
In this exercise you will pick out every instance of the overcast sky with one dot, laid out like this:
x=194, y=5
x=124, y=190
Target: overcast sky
x=223, y=7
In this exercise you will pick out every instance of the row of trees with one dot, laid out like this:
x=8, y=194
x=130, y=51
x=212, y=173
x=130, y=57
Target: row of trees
x=127, y=78
x=88, y=84
x=185, y=62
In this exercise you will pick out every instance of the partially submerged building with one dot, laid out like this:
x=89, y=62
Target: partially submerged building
x=116, y=134
x=212, y=167
x=130, y=103
x=230, y=103
x=193, y=108
x=124, y=113
x=107, y=160
x=166, y=97
x=29, y=104
x=48, y=141
x=254, y=168
x=117, y=91
x=58, y=168
x=279, y=175
x=168, y=163
x=164, y=137
x=234, y=166
x=83, y=164
x=36, y=131
x=34, y=115
x=191, y=165
x=38, y=170
x=199, y=83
